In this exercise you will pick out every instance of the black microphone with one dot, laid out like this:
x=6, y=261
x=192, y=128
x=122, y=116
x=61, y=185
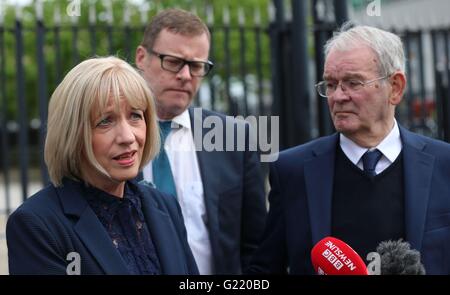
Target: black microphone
x=397, y=258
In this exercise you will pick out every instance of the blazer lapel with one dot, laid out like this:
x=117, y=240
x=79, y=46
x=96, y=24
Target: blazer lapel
x=418, y=168
x=162, y=232
x=319, y=174
x=90, y=230
x=211, y=197
x=97, y=240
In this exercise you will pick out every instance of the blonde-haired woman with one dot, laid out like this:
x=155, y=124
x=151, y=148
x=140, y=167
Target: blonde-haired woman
x=94, y=218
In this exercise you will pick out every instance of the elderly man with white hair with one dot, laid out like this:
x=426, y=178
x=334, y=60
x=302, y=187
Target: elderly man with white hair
x=372, y=180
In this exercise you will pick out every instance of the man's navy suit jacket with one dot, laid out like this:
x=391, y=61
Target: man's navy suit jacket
x=301, y=200
x=233, y=192
x=58, y=220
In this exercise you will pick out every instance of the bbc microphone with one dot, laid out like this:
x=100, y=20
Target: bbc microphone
x=331, y=256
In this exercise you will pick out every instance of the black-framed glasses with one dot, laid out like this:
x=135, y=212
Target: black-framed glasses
x=175, y=64
x=327, y=88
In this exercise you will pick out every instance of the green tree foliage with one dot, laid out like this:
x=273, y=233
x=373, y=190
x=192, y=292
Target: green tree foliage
x=68, y=40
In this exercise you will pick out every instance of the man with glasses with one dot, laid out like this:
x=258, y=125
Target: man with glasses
x=221, y=193
x=371, y=181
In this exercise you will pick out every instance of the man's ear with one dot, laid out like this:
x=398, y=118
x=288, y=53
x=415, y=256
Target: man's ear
x=398, y=86
x=141, y=54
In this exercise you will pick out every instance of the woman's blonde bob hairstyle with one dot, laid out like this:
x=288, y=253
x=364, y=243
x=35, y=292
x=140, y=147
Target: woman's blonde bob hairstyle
x=85, y=91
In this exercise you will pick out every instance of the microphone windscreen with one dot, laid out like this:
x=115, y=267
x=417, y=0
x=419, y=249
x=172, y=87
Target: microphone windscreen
x=331, y=256
x=397, y=258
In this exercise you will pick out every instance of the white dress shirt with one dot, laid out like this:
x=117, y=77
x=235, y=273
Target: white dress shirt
x=390, y=147
x=180, y=149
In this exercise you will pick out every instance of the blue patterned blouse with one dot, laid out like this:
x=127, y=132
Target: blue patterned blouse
x=124, y=221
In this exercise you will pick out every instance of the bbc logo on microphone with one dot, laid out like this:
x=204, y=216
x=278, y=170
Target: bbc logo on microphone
x=332, y=259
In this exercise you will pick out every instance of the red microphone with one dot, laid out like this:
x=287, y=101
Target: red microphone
x=331, y=256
